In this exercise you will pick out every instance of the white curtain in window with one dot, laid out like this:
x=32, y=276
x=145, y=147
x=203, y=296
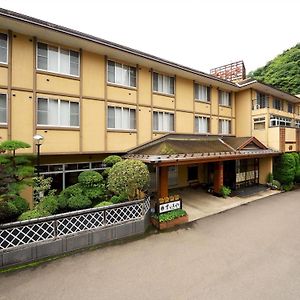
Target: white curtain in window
x=118, y=117
x=53, y=59
x=160, y=83
x=64, y=113
x=119, y=72
x=125, y=119
x=166, y=84
x=166, y=122
x=160, y=121
x=111, y=117
x=125, y=78
x=53, y=112
x=132, y=119
x=64, y=61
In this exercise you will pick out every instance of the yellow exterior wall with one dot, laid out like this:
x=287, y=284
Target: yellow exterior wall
x=144, y=125
x=120, y=94
x=162, y=101
x=3, y=76
x=214, y=125
x=182, y=176
x=184, y=94
x=202, y=107
x=265, y=167
x=51, y=83
x=184, y=122
x=22, y=122
x=243, y=112
x=290, y=134
x=120, y=141
x=290, y=147
x=214, y=101
x=22, y=61
x=93, y=69
x=144, y=86
x=273, y=138
x=93, y=125
x=225, y=112
x=3, y=134
x=59, y=141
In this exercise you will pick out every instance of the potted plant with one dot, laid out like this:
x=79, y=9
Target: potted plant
x=169, y=219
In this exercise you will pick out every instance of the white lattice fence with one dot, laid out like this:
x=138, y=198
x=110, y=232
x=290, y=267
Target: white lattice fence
x=23, y=233
x=26, y=234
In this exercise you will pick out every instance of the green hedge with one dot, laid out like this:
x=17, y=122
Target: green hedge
x=171, y=215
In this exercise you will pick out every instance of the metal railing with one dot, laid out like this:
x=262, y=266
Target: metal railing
x=48, y=228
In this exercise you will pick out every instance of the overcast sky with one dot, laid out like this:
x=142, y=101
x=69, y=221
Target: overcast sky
x=200, y=34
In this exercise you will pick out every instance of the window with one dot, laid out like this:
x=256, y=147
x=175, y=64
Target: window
x=163, y=121
x=297, y=123
x=277, y=104
x=224, y=126
x=259, y=123
x=57, y=60
x=202, y=92
x=224, y=98
x=163, y=84
x=55, y=112
x=290, y=107
x=262, y=101
x=280, y=121
x=121, y=118
x=3, y=109
x=121, y=74
x=202, y=124
x=3, y=48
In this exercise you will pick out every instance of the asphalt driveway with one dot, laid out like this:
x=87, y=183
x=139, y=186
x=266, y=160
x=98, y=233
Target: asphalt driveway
x=249, y=252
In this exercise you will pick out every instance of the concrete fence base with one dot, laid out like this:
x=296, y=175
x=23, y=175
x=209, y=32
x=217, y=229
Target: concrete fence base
x=65, y=244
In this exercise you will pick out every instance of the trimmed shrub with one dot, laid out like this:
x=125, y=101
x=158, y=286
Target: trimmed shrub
x=288, y=187
x=21, y=204
x=270, y=178
x=297, y=176
x=79, y=202
x=8, y=211
x=285, y=169
x=171, y=215
x=33, y=214
x=129, y=177
x=104, y=203
x=112, y=160
x=119, y=198
x=276, y=184
x=90, y=179
x=48, y=203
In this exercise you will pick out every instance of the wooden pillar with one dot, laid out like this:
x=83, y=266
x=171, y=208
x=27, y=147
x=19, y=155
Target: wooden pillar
x=163, y=182
x=218, y=176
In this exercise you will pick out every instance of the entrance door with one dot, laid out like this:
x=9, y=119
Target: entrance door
x=193, y=173
x=229, y=174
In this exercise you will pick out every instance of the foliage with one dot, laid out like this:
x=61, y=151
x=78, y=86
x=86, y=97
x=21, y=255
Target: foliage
x=112, y=160
x=119, y=198
x=225, y=191
x=171, y=215
x=276, y=184
x=49, y=204
x=270, y=178
x=73, y=198
x=104, y=203
x=129, y=177
x=282, y=72
x=90, y=179
x=297, y=176
x=105, y=173
x=17, y=170
x=33, y=214
x=288, y=187
x=20, y=203
x=8, y=211
x=41, y=185
x=285, y=169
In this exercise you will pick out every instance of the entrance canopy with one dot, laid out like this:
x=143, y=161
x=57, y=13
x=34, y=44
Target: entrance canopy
x=180, y=149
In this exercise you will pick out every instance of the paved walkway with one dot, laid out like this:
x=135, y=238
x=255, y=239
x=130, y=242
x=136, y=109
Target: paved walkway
x=250, y=252
x=199, y=204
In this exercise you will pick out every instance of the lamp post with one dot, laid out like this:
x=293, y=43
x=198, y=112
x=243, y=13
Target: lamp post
x=38, y=139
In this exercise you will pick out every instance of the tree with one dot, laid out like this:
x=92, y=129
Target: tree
x=285, y=169
x=128, y=177
x=282, y=72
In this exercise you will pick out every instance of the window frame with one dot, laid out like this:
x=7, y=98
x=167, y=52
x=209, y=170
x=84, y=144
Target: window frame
x=6, y=110
x=120, y=84
x=208, y=92
x=58, y=61
x=163, y=113
x=7, y=46
x=290, y=105
x=59, y=114
x=279, y=120
x=259, y=120
x=122, y=109
x=297, y=123
x=220, y=92
x=278, y=101
x=164, y=76
x=208, y=119
x=230, y=125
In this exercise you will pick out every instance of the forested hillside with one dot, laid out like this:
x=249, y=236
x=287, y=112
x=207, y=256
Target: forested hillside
x=282, y=72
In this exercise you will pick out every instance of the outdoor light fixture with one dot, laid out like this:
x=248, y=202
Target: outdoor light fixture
x=38, y=139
